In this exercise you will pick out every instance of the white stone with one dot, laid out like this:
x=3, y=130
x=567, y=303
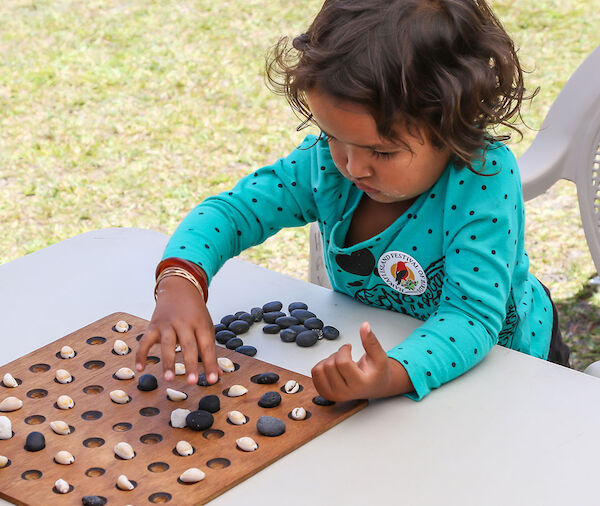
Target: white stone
x=3, y=461
x=125, y=373
x=122, y=326
x=60, y=427
x=65, y=402
x=298, y=413
x=64, y=457
x=123, y=483
x=124, y=450
x=246, y=443
x=291, y=387
x=67, y=352
x=236, y=390
x=225, y=364
x=63, y=376
x=11, y=404
x=119, y=396
x=192, y=475
x=178, y=417
x=120, y=347
x=9, y=381
x=184, y=448
x=5, y=427
x=179, y=369
x=176, y=395
x=61, y=486
x=236, y=417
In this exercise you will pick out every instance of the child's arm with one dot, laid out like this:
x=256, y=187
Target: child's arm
x=339, y=378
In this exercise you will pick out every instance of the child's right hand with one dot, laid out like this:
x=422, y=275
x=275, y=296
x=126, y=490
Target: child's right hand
x=181, y=316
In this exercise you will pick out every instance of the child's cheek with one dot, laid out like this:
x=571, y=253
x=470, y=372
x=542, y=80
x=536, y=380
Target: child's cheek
x=339, y=158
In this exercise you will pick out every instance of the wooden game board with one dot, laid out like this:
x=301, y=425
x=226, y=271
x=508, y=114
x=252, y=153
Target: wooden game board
x=144, y=423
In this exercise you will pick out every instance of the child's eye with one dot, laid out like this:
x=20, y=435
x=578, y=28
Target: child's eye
x=383, y=156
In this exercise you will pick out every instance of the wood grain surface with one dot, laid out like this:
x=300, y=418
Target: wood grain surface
x=143, y=422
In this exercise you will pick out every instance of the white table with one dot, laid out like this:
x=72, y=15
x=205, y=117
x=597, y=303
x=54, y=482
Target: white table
x=514, y=430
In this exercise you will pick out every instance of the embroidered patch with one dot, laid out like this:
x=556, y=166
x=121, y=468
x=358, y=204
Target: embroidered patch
x=402, y=272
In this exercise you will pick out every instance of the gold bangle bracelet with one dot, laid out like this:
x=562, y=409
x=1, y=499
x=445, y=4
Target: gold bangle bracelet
x=179, y=272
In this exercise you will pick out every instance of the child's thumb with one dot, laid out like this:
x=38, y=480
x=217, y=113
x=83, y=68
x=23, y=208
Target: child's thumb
x=370, y=343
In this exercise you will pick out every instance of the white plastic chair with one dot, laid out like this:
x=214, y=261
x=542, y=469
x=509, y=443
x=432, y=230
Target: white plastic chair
x=566, y=147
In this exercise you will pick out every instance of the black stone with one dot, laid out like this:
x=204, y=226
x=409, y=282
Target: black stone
x=93, y=500
x=219, y=327
x=239, y=326
x=257, y=313
x=245, y=316
x=223, y=336
x=287, y=335
x=270, y=400
x=199, y=420
x=286, y=321
x=272, y=316
x=233, y=343
x=298, y=328
x=307, y=338
x=210, y=403
x=297, y=305
x=203, y=382
x=313, y=323
x=272, y=306
x=267, y=378
x=321, y=401
x=227, y=319
x=147, y=382
x=35, y=442
x=330, y=332
x=270, y=426
x=247, y=350
x=271, y=328
x=302, y=314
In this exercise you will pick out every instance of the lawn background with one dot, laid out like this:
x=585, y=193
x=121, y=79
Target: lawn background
x=127, y=113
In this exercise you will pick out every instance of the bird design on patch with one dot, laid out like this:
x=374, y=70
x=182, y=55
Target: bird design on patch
x=401, y=272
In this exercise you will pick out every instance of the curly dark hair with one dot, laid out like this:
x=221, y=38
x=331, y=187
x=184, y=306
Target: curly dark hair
x=445, y=65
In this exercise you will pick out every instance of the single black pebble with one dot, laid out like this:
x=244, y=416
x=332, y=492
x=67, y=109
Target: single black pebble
x=330, y=332
x=267, y=378
x=203, y=382
x=298, y=328
x=147, y=382
x=93, y=500
x=247, y=350
x=307, y=338
x=210, y=403
x=245, y=316
x=272, y=316
x=35, y=442
x=321, y=401
x=302, y=314
x=227, y=319
x=272, y=306
x=239, y=326
x=270, y=426
x=288, y=335
x=199, y=420
x=223, y=336
x=219, y=327
x=257, y=313
x=270, y=400
x=297, y=305
x=271, y=328
x=313, y=323
x=286, y=321
x=233, y=343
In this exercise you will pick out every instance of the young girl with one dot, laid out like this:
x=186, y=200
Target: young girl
x=419, y=205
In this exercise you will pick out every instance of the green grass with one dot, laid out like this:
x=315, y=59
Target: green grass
x=130, y=112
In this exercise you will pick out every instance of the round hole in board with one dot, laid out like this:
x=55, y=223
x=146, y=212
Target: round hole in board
x=235, y=424
x=134, y=483
x=94, y=472
x=213, y=434
x=93, y=389
x=18, y=380
x=121, y=354
x=300, y=388
x=129, y=327
x=59, y=383
x=96, y=340
x=94, y=365
x=58, y=355
x=158, y=467
x=160, y=497
x=93, y=442
x=139, y=337
x=151, y=439
x=308, y=415
x=39, y=368
x=35, y=419
x=122, y=427
x=149, y=411
x=178, y=455
x=151, y=359
x=32, y=474
x=91, y=415
x=218, y=463
x=55, y=490
x=9, y=462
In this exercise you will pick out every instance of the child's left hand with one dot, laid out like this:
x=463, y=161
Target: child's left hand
x=339, y=378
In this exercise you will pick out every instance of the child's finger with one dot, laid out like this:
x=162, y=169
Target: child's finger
x=189, y=348
x=370, y=343
x=206, y=345
x=150, y=338
x=320, y=381
x=168, y=341
x=346, y=366
x=334, y=378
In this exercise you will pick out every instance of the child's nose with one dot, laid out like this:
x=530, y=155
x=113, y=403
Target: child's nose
x=357, y=163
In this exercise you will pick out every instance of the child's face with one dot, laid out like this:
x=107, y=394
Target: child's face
x=386, y=171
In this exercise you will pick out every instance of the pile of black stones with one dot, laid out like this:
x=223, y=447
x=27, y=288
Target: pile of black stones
x=300, y=326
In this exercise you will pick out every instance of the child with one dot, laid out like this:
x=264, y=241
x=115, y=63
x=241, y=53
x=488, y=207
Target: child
x=419, y=205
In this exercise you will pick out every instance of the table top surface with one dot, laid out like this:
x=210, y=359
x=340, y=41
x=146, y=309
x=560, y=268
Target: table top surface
x=513, y=430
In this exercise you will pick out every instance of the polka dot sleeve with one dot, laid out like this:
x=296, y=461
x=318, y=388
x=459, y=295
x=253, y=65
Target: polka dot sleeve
x=260, y=204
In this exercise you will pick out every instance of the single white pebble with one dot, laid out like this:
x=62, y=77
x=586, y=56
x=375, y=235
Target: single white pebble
x=225, y=364
x=123, y=483
x=67, y=352
x=119, y=396
x=64, y=457
x=124, y=450
x=178, y=417
x=60, y=427
x=124, y=373
x=120, y=347
x=63, y=376
x=122, y=326
x=176, y=395
x=5, y=427
x=184, y=448
x=246, y=443
x=179, y=368
x=11, y=404
x=9, y=381
x=192, y=475
x=61, y=486
x=298, y=413
x=3, y=461
x=236, y=418
x=177, y=348
x=236, y=390
x=291, y=387
x=65, y=402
